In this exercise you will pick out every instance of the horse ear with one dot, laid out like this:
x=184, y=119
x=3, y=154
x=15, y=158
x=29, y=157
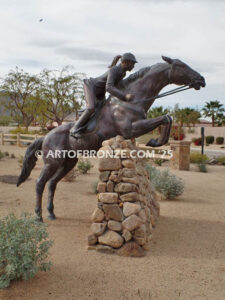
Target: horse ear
x=167, y=59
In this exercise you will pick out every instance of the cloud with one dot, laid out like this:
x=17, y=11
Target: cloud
x=88, y=34
x=86, y=54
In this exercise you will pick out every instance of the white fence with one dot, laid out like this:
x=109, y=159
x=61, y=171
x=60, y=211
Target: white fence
x=18, y=139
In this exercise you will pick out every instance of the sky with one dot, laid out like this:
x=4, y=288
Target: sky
x=87, y=34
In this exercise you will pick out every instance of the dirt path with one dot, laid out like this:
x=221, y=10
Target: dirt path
x=186, y=260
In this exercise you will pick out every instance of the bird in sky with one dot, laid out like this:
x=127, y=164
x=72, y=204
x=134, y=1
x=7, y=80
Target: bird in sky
x=40, y=20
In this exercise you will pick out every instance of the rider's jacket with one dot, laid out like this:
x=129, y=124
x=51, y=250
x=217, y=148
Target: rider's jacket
x=108, y=83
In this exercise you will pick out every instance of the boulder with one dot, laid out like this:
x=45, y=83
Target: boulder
x=108, y=197
x=130, y=209
x=110, y=186
x=98, y=215
x=133, y=196
x=131, y=223
x=131, y=249
x=124, y=187
x=114, y=225
x=126, y=172
x=127, y=235
x=133, y=180
x=128, y=163
x=103, y=176
x=111, y=238
x=98, y=228
x=108, y=164
x=113, y=211
x=101, y=188
x=92, y=239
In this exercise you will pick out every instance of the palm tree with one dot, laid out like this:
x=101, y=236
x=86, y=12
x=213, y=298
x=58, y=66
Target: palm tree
x=157, y=111
x=213, y=109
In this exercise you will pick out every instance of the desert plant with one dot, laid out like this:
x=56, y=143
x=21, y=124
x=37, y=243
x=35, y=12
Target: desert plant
x=198, y=158
x=6, y=153
x=221, y=160
x=24, y=248
x=84, y=166
x=159, y=161
x=220, y=140
x=12, y=155
x=1, y=154
x=166, y=183
x=95, y=186
x=202, y=167
x=209, y=139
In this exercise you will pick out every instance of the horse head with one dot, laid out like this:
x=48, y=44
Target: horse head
x=180, y=73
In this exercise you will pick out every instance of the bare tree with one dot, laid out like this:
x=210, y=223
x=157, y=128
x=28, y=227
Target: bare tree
x=20, y=90
x=60, y=93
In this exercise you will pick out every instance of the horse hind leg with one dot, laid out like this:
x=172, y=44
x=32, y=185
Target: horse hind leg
x=45, y=175
x=60, y=173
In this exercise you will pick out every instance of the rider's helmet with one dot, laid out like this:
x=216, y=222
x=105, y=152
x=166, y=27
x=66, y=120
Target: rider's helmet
x=128, y=56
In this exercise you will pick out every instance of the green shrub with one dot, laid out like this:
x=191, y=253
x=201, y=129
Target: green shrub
x=5, y=120
x=84, y=166
x=221, y=160
x=198, y=158
x=219, y=140
x=166, y=183
x=24, y=248
x=1, y=154
x=209, y=139
x=202, y=167
x=159, y=161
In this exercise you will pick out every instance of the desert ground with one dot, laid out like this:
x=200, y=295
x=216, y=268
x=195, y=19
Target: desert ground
x=187, y=256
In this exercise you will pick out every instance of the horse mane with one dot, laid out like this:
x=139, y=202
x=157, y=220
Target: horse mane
x=132, y=81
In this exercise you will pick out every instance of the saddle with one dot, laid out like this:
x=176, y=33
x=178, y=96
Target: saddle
x=92, y=123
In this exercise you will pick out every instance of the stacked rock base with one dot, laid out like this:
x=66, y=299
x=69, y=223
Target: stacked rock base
x=127, y=209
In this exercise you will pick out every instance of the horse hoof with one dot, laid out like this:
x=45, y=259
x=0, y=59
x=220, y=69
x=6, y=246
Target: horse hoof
x=39, y=219
x=51, y=217
x=152, y=143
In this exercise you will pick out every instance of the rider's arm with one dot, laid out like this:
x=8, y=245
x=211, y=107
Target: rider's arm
x=110, y=85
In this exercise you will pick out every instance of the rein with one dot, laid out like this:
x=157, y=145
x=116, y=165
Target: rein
x=174, y=91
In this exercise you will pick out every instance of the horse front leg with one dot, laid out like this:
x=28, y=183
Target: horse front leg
x=145, y=126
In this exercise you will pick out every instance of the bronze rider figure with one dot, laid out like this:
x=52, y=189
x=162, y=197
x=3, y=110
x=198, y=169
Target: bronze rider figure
x=95, y=88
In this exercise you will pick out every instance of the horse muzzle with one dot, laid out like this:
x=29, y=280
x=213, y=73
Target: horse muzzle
x=198, y=83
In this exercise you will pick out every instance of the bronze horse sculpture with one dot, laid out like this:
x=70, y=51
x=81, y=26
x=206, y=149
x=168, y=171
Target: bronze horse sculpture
x=114, y=117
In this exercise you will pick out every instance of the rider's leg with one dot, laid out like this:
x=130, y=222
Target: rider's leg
x=90, y=103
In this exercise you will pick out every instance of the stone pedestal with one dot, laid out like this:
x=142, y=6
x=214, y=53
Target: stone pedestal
x=127, y=208
x=181, y=155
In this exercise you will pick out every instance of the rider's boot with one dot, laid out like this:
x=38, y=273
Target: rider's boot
x=74, y=131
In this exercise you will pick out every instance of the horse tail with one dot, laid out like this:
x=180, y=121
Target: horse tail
x=115, y=60
x=30, y=160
